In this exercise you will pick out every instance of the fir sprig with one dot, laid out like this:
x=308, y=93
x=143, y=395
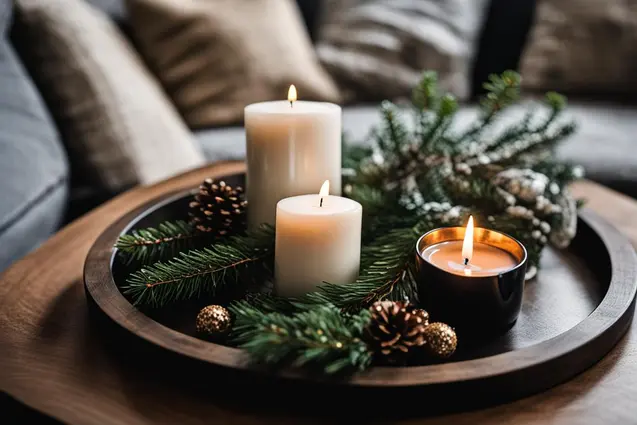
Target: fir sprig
x=322, y=337
x=387, y=272
x=160, y=243
x=502, y=91
x=239, y=260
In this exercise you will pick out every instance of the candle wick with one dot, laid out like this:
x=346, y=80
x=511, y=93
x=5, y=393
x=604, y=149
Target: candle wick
x=291, y=104
x=321, y=202
x=466, y=261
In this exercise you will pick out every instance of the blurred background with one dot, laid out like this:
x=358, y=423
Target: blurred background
x=98, y=96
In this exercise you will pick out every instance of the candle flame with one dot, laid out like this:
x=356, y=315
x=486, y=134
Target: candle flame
x=325, y=190
x=292, y=94
x=467, y=244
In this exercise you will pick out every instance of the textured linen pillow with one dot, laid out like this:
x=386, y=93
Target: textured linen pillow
x=112, y=113
x=378, y=49
x=215, y=57
x=583, y=46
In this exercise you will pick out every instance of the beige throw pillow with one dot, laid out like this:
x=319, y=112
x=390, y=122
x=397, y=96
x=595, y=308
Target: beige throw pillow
x=377, y=49
x=116, y=122
x=583, y=46
x=215, y=57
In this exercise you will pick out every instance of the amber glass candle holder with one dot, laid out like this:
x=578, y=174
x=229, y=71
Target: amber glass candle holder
x=476, y=303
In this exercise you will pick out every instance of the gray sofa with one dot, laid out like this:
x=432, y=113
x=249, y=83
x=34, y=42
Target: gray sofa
x=39, y=193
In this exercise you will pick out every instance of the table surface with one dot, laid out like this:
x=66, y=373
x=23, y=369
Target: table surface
x=54, y=361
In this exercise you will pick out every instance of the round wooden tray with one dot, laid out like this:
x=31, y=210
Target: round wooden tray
x=573, y=313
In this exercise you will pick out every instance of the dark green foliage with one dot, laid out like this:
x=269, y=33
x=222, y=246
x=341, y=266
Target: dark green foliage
x=562, y=173
x=393, y=135
x=154, y=244
x=321, y=338
x=269, y=303
x=353, y=154
x=239, y=260
x=436, y=164
x=387, y=272
x=502, y=91
x=425, y=94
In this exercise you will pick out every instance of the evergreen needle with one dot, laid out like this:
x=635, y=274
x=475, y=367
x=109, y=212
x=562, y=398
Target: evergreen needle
x=321, y=338
x=238, y=260
x=162, y=242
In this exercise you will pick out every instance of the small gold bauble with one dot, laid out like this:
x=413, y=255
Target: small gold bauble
x=422, y=314
x=213, y=320
x=440, y=340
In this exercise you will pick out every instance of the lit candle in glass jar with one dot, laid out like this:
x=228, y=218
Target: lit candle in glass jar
x=469, y=259
x=471, y=277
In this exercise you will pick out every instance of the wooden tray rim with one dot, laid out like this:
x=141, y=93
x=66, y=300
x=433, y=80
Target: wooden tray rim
x=604, y=326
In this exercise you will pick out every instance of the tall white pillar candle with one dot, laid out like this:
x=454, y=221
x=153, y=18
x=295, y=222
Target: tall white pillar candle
x=292, y=148
x=316, y=241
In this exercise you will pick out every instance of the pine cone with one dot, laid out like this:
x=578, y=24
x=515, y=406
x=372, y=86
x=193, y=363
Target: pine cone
x=218, y=208
x=394, y=330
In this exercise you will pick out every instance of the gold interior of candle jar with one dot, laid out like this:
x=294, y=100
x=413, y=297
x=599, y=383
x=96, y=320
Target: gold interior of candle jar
x=480, y=234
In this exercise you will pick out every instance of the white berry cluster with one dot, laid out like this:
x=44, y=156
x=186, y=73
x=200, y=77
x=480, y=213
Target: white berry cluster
x=542, y=199
x=524, y=184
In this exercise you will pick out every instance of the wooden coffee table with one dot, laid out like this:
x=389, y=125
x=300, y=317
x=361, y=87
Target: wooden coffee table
x=53, y=358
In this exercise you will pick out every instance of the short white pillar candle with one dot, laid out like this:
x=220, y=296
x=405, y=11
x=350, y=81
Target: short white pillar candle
x=292, y=147
x=318, y=239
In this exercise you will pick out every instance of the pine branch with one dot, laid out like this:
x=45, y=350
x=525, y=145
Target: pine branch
x=508, y=135
x=502, y=90
x=382, y=211
x=433, y=181
x=371, y=198
x=521, y=229
x=240, y=260
x=445, y=113
x=270, y=303
x=394, y=135
x=478, y=193
x=353, y=154
x=530, y=143
x=425, y=94
x=387, y=272
x=319, y=339
x=562, y=173
x=557, y=103
x=161, y=243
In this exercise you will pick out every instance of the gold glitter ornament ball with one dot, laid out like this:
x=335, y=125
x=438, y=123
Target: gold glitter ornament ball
x=213, y=320
x=440, y=340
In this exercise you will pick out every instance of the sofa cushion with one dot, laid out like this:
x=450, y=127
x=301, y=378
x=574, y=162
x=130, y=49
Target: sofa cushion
x=584, y=47
x=6, y=13
x=377, y=49
x=604, y=143
x=116, y=9
x=114, y=117
x=33, y=166
x=214, y=58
